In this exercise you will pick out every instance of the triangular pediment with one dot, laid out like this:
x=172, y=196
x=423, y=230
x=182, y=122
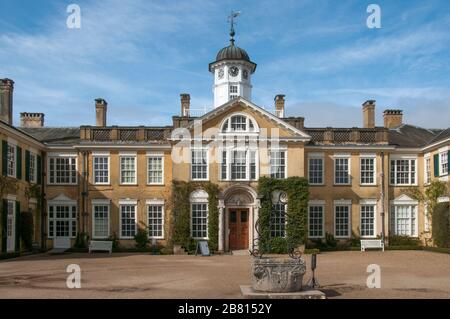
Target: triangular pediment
x=403, y=198
x=264, y=119
x=62, y=198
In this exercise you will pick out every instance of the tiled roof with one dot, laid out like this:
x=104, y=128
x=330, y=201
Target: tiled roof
x=411, y=136
x=440, y=136
x=54, y=135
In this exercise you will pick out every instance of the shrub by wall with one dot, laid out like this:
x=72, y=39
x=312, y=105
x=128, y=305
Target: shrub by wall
x=26, y=229
x=441, y=225
x=297, y=192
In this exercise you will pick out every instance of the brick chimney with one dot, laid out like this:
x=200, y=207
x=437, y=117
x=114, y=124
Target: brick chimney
x=369, y=114
x=279, y=105
x=185, y=104
x=31, y=119
x=101, y=107
x=393, y=118
x=6, y=100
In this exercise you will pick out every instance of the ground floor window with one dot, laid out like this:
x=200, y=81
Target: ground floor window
x=127, y=221
x=100, y=221
x=199, y=220
x=404, y=220
x=62, y=221
x=316, y=221
x=278, y=221
x=342, y=221
x=155, y=221
x=367, y=221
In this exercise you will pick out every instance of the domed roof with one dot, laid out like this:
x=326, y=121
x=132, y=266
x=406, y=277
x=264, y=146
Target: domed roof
x=232, y=52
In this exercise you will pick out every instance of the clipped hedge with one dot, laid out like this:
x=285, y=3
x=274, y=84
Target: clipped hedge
x=441, y=225
x=181, y=211
x=297, y=191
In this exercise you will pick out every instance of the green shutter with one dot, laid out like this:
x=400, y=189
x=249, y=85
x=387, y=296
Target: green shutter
x=436, y=165
x=39, y=169
x=17, y=227
x=3, y=221
x=19, y=163
x=27, y=165
x=4, y=158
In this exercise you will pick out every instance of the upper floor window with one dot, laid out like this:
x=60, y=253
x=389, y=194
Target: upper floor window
x=32, y=168
x=278, y=164
x=127, y=169
x=63, y=170
x=155, y=169
x=239, y=123
x=427, y=176
x=11, y=160
x=315, y=169
x=443, y=159
x=199, y=164
x=403, y=171
x=101, y=169
x=367, y=170
x=342, y=170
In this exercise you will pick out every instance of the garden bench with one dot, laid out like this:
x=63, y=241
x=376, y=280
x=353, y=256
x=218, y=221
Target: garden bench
x=371, y=243
x=98, y=245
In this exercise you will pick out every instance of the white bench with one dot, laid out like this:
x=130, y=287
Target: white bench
x=98, y=245
x=371, y=243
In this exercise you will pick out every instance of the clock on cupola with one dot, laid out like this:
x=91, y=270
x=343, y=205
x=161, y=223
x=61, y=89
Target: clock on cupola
x=232, y=71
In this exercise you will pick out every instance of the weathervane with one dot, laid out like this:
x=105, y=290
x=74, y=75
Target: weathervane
x=231, y=17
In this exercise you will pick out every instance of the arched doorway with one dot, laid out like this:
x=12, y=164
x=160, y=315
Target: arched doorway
x=238, y=212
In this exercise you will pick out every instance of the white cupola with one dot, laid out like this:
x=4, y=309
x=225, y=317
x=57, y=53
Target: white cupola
x=232, y=72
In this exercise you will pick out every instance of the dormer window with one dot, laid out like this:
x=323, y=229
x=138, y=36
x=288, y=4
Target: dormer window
x=239, y=123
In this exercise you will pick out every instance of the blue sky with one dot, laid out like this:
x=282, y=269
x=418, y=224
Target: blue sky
x=140, y=55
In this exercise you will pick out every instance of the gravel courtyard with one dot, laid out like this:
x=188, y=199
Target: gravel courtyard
x=405, y=274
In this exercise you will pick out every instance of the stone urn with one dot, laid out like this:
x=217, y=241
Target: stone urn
x=271, y=274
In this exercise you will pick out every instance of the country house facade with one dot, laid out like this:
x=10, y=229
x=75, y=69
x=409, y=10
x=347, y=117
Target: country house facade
x=112, y=180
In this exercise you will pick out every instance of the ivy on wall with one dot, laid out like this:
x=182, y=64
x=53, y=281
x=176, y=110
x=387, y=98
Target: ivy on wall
x=181, y=212
x=297, y=191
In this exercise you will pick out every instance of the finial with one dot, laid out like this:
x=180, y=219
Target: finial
x=233, y=15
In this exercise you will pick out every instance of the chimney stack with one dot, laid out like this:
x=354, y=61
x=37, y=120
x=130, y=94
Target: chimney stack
x=393, y=118
x=101, y=107
x=369, y=114
x=31, y=119
x=185, y=104
x=279, y=105
x=6, y=100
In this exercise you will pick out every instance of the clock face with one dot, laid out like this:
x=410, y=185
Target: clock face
x=234, y=71
x=245, y=74
x=220, y=74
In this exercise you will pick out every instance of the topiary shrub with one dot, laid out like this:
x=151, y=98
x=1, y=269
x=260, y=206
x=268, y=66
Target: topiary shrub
x=441, y=225
x=26, y=229
x=115, y=240
x=141, y=238
x=81, y=240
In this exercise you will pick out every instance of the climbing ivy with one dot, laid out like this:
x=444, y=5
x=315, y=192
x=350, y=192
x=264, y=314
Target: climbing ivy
x=297, y=192
x=181, y=211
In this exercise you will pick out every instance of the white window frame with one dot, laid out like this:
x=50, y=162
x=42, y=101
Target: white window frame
x=316, y=156
x=370, y=157
x=206, y=150
x=403, y=157
x=443, y=166
x=316, y=203
x=101, y=155
x=151, y=156
x=347, y=203
x=128, y=155
x=427, y=169
x=414, y=231
x=71, y=220
x=33, y=170
x=199, y=197
x=156, y=203
x=271, y=171
x=54, y=156
x=13, y=148
x=372, y=203
x=106, y=203
x=285, y=222
x=349, y=168
x=228, y=164
x=228, y=131
x=128, y=203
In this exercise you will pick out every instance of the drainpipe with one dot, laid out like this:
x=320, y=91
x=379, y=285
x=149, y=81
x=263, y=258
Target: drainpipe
x=382, y=198
x=84, y=191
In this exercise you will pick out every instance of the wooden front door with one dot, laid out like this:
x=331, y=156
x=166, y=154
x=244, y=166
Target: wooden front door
x=238, y=229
